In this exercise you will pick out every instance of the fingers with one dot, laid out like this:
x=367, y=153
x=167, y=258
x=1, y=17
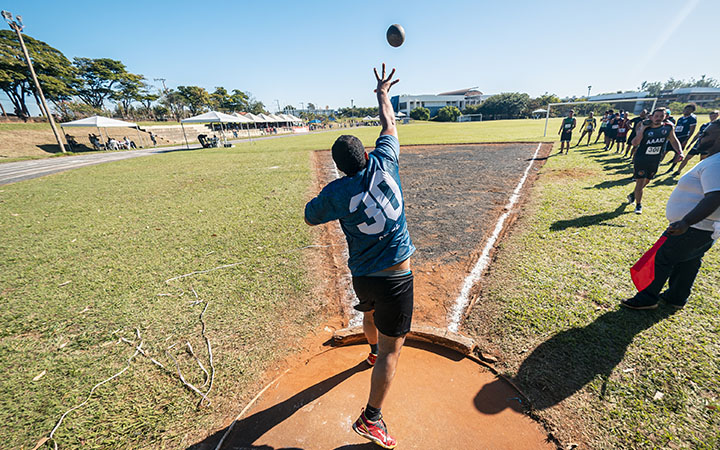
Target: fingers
x=391, y=75
x=395, y=82
x=383, y=71
x=376, y=74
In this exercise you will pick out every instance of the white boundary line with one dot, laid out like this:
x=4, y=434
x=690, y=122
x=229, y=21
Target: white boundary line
x=463, y=299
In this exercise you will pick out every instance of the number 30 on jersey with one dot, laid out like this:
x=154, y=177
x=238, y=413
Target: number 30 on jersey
x=378, y=208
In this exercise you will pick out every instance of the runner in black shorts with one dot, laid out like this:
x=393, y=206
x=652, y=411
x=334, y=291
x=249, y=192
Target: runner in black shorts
x=611, y=130
x=373, y=221
x=566, y=127
x=684, y=129
x=696, y=140
x=650, y=141
x=634, y=124
x=603, y=126
x=588, y=127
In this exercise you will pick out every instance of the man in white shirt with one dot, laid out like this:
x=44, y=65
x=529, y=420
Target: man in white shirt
x=693, y=210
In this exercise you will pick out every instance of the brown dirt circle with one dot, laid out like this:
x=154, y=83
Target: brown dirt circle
x=439, y=399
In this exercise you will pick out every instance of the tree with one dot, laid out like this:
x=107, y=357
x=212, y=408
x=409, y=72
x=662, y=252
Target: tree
x=420, y=113
x=311, y=106
x=196, y=98
x=508, y=105
x=99, y=78
x=238, y=100
x=146, y=96
x=175, y=103
x=55, y=72
x=540, y=102
x=704, y=82
x=447, y=114
x=129, y=90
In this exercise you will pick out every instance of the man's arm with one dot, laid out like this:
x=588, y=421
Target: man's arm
x=675, y=143
x=387, y=114
x=639, y=136
x=574, y=124
x=708, y=205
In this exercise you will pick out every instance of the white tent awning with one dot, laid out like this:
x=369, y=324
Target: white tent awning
x=243, y=119
x=99, y=122
x=212, y=117
x=538, y=111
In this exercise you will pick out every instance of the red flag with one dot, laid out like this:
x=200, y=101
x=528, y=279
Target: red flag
x=643, y=272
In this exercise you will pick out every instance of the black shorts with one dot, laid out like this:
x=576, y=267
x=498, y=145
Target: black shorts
x=612, y=134
x=621, y=139
x=601, y=130
x=392, y=300
x=644, y=168
x=566, y=136
x=631, y=137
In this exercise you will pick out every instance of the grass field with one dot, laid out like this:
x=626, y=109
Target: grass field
x=86, y=254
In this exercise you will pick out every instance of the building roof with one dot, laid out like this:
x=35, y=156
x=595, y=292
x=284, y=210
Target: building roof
x=469, y=92
x=621, y=96
x=696, y=90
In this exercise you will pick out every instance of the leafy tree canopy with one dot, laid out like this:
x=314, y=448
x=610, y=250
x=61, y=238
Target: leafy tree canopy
x=55, y=72
x=447, y=114
x=420, y=113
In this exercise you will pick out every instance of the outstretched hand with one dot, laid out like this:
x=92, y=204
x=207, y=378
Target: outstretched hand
x=384, y=84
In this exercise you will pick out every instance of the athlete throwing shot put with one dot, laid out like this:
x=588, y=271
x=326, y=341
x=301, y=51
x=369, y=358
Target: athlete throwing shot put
x=368, y=202
x=650, y=140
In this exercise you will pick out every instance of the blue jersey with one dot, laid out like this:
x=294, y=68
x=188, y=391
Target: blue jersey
x=702, y=128
x=371, y=211
x=682, y=127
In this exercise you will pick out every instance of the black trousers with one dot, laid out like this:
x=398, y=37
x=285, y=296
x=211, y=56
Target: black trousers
x=678, y=262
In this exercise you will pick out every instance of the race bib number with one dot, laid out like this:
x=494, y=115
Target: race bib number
x=615, y=127
x=378, y=208
x=678, y=128
x=568, y=125
x=654, y=150
x=622, y=130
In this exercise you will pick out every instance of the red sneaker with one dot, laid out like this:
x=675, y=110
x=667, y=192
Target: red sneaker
x=375, y=431
x=371, y=359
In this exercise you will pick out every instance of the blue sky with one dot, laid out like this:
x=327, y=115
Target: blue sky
x=323, y=51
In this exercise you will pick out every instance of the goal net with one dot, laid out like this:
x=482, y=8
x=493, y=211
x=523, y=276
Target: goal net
x=470, y=118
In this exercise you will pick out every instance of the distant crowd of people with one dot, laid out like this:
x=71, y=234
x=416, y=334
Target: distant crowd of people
x=112, y=143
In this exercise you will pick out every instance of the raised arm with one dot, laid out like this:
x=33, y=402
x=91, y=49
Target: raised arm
x=387, y=114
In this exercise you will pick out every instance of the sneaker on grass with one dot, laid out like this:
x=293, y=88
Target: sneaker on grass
x=638, y=209
x=375, y=431
x=671, y=302
x=631, y=197
x=639, y=303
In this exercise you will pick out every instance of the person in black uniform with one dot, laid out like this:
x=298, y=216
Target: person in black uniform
x=611, y=131
x=650, y=141
x=634, y=125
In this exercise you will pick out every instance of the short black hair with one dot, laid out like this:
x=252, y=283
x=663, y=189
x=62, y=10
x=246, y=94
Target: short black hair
x=692, y=106
x=349, y=154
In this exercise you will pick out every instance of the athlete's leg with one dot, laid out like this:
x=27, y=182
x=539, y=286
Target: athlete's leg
x=640, y=184
x=384, y=370
x=684, y=163
x=371, y=333
x=581, y=138
x=589, y=136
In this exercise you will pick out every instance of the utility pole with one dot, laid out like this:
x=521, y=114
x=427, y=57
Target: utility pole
x=589, y=87
x=278, y=104
x=18, y=26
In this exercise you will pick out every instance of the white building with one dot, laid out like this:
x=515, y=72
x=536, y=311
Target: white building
x=459, y=99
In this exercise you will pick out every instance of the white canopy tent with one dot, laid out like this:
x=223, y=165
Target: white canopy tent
x=102, y=122
x=210, y=117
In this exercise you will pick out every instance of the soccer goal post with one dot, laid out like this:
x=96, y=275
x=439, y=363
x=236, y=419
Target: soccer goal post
x=470, y=118
x=624, y=100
